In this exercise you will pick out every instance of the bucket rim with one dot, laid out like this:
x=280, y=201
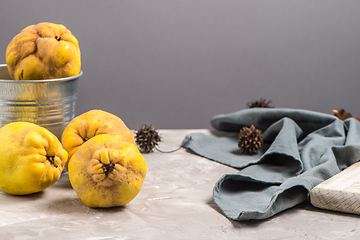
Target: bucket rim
x=40, y=81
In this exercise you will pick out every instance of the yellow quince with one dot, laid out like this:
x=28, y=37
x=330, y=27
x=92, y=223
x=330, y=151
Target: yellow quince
x=43, y=51
x=107, y=172
x=31, y=158
x=92, y=123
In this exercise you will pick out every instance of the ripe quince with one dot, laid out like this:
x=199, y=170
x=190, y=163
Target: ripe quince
x=107, y=172
x=92, y=123
x=31, y=158
x=43, y=51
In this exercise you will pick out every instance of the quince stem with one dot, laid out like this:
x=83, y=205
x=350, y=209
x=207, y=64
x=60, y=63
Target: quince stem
x=108, y=168
x=52, y=160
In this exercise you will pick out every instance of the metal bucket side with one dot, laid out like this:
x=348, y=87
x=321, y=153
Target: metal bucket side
x=47, y=103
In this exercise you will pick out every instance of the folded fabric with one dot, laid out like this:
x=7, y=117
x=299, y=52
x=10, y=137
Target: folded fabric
x=301, y=149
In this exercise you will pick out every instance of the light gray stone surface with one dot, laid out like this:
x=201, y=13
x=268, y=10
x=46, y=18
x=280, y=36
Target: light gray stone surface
x=174, y=203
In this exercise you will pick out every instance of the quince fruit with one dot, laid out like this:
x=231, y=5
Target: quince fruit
x=92, y=123
x=107, y=172
x=31, y=158
x=43, y=51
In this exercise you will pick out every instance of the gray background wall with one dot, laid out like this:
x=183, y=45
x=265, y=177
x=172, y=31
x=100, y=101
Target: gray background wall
x=175, y=64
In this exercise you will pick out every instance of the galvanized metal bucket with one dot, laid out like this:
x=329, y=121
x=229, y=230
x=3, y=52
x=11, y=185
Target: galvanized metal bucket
x=47, y=103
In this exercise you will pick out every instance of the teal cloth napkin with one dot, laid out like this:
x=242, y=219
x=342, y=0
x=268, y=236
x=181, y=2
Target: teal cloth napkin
x=301, y=149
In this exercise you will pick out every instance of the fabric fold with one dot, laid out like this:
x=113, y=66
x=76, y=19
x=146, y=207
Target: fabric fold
x=301, y=149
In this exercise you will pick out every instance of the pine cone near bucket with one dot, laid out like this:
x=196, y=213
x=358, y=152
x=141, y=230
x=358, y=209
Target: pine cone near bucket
x=250, y=139
x=262, y=103
x=147, y=138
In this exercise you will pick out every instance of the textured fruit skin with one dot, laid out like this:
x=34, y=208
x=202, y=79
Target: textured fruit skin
x=90, y=124
x=24, y=166
x=95, y=187
x=43, y=51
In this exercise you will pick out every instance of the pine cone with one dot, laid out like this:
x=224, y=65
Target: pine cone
x=341, y=114
x=147, y=138
x=250, y=139
x=262, y=103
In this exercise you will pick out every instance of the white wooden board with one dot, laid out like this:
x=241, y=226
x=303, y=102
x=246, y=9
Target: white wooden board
x=340, y=192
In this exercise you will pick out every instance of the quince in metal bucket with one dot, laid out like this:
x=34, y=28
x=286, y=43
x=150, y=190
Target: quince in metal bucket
x=43, y=51
x=31, y=158
x=107, y=172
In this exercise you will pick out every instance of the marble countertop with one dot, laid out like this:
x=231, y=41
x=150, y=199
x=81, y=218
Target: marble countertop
x=174, y=203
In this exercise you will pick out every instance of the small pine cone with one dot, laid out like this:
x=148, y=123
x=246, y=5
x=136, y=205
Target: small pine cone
x=250, y=139
x=341, y=114
x=147, y=138
x=262, y=103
